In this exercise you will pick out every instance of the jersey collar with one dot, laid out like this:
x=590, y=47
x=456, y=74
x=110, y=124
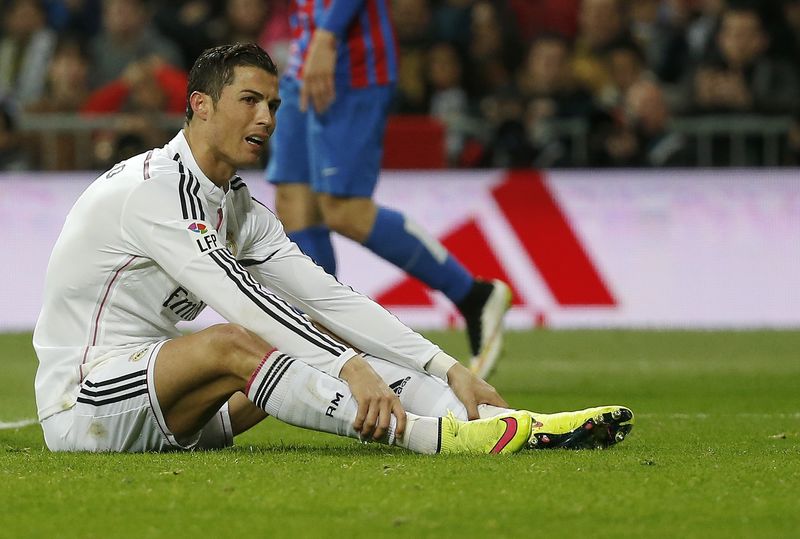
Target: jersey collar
x=210, y=189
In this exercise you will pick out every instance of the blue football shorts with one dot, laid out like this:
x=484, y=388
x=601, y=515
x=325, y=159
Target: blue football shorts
x=338, y=152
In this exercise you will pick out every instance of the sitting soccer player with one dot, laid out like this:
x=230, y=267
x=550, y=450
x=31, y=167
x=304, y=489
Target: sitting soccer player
x=161, y=235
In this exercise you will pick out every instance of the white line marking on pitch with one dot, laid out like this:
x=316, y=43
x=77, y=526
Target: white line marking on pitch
x=17, y=424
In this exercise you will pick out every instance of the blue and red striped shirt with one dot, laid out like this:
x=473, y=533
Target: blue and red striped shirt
x=367, y=51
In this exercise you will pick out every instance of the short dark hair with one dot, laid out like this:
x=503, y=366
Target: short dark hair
x=213, y=69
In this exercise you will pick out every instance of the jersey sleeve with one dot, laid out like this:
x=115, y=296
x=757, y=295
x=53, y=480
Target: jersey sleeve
x=278, y=263
x=167, y=224
x=339, y=15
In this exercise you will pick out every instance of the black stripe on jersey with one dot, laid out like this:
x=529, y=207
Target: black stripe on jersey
x=181, y=187
x=118, y=379
x=196, y=194
x=238, y=183
x=112, y=390
x=270, y=304
x=189, y=190
x=247, y=262
x=147, y=165
x=190, y=198
x=278, y=303
x=112, y=400
x=258, y=399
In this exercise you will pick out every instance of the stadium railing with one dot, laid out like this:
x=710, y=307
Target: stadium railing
x=766, y=134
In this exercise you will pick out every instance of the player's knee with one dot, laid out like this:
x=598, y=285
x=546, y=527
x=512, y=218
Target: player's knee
x=234, y=341
x=345, y=217
x=296, y=207
x=338, y=222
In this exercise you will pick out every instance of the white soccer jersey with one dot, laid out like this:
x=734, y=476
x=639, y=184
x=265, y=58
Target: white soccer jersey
x=153, y=241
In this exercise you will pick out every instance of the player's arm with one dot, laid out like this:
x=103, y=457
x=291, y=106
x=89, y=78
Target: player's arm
x=169, y=227
x=319, y=67
x=280, y=265
x=354, y=318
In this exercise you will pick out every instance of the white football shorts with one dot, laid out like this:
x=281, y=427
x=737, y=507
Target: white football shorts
x=117, y=411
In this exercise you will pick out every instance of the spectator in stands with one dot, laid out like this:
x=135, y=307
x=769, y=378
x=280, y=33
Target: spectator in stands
x=659, y=34
x=508, y=145
x=551, y=93
x=67, y=85
x=147, y=89
x=450, y=22
x=25, y=50
x=448, y=101
x=493, y=55
x=12, y=153
x=79, y=17
x=149, y=85
x=187, y=23
x=242, y=22
x=740, y=76
x=127, y=35
x=791, y=14
x=601, y=23
x=276, y=35
x=703, y=27
x=642, y=136
x=626, y=65
x=545, y=16
x=412, y=20
x=65, y=92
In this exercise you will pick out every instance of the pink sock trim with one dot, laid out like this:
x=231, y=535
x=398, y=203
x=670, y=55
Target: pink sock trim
x=258, y=369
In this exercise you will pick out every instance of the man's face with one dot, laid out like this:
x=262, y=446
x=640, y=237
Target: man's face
x=600, y=21
x=124, y=18
x=741, y=37
x=243, y=119
x=546, y=63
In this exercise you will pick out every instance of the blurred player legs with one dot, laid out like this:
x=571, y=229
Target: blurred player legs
x=326, y=166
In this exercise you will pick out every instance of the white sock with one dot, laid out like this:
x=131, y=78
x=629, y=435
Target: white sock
x=422, y=435
x=487, y=410
x=424, y=394
x=301, y=395
x=419, y=392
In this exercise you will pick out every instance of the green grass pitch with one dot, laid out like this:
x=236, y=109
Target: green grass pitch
x=715, y=453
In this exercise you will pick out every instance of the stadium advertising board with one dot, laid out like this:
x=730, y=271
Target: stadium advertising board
x=695, y=249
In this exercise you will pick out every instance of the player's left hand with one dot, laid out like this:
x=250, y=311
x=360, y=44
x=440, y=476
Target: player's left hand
x=377, y=403
x=472, y=391
x=318, y=72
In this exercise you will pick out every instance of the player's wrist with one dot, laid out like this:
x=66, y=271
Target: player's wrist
x=345, y=365
x=440, y=365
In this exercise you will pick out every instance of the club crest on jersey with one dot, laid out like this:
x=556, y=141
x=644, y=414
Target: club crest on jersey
x=230, y=243
x=136, y=356
x=198, y=228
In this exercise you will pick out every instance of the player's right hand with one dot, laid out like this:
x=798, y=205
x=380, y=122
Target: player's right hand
x=472, y=391
x=376, y=401
x=318, y=72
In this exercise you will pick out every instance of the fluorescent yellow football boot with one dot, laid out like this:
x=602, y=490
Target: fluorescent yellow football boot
x=592, y=428
x=505, y=433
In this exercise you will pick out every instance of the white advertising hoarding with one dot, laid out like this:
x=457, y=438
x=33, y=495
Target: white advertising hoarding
x=696, y=249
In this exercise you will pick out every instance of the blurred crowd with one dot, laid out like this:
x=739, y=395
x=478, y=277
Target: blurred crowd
x=501, y=75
